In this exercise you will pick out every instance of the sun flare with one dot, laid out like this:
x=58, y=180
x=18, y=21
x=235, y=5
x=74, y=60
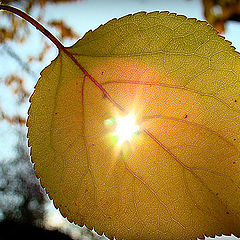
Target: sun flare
x=125, y=127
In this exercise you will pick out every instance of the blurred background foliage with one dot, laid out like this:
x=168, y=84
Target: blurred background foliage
x=21, y=197
x=218, y=12
x=17, y=30
x=22, y=200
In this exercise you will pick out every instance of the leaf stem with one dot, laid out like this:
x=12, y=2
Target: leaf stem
x=35, y=23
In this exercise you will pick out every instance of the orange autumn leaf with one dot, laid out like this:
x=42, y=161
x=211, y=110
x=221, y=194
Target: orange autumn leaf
x=134, y=130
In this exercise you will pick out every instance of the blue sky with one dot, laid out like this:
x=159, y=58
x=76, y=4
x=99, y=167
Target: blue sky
x=83, y=16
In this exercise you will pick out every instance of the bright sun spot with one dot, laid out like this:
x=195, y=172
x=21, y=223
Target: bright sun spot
x=126, y=127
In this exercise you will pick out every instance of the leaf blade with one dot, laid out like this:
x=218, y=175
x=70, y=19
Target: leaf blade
x=185, y=158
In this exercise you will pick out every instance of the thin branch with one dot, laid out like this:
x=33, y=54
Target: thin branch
x=35, y=23
x=18, y=59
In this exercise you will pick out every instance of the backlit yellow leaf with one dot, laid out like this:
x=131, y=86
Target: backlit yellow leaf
x=172, y=172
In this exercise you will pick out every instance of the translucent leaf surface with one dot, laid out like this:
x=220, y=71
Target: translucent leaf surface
x=178, y=175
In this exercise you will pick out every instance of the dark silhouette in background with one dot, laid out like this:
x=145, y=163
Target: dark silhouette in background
x=10, y=230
